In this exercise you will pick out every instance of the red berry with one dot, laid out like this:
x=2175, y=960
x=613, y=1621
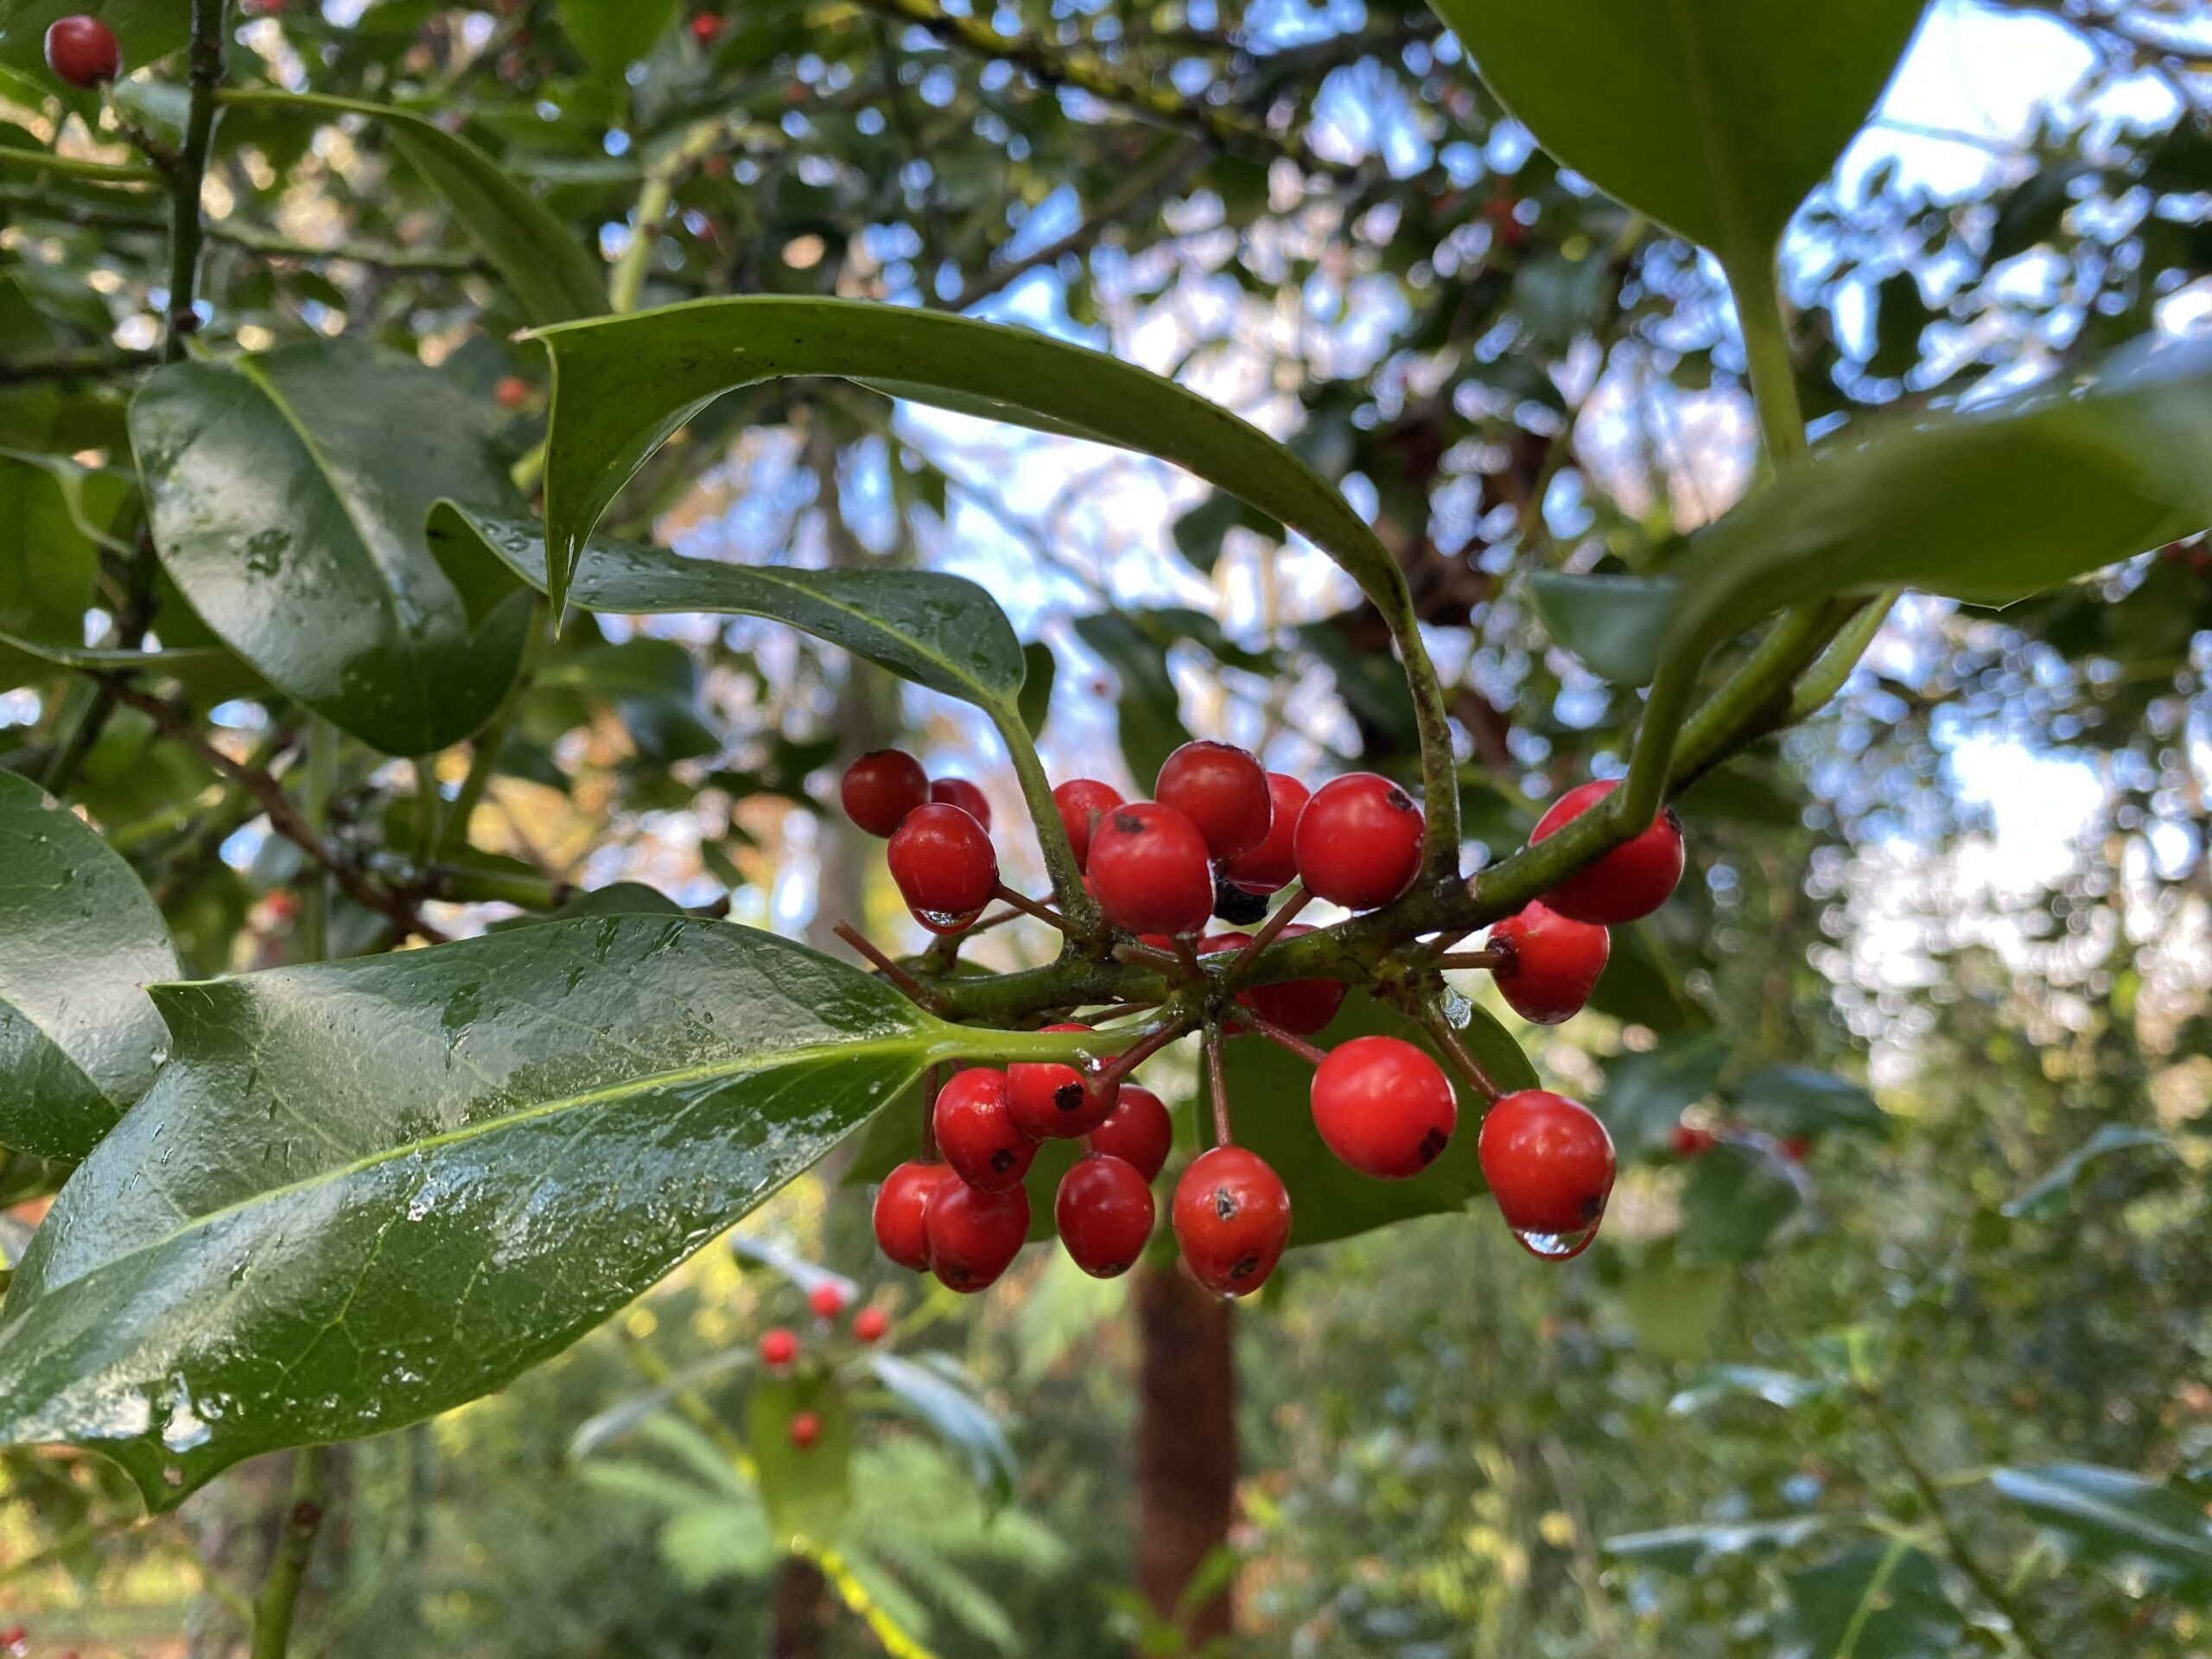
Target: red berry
x=1632, y=880
x=1222, y=789
x=1104, y=1213
x=1150, y=870
x=974, y=1235
x=1137, y=1131
x=805, y=1430
x=1687, y=1141
x=1231, y=1215
x=1078, y=800
x=880, y=788
x=705, y=27
x=83, y=51
x=511, y=391
x=1552, y=962
x=871, y=1325
x=958, y=791
x=976, y=1132
x=1797, y=1148
x=1273, y=865
x=1358, y=841
x=944, y=865
x=899, y=1203
x=1302, y=1007
x=827, y=1300
x=1050, y=1101
x=778, y=1348
x=1383, y=1107
x=1549, y=1164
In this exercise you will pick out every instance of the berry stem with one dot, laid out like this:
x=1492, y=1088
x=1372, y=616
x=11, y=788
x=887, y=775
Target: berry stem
x=1276, y=1035
x=1143, y=956
x=1217, y=1086
x=1270, y=930
x=1489, y=960
x=890, y=969
x=1462, y=1057
x=1121, y=1011
x=1142, y=1050
x=1031, y=907
x=1186, y=956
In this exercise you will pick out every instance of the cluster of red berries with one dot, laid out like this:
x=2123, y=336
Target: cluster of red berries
x=83, y=51
x=779, y=1350
x=1220, y=837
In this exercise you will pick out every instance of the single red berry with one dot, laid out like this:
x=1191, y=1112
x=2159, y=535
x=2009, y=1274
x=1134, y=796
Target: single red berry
x=805, y=1430
x=1231, y=1215
x=827, y=1300
x=1050, y=1101
x=1150, y=870
x=778, y=1348
x=511, y=391
x=944, y=865
x=900, y=1204
x=15, y=1635
x=1358, y=841
x=871, y=1325
x=1273, y=865
x=1104, y=1214
x=880, y=788
x=1549, y=1164
x=1078, y=801
x=974, y=1235
x=1688, y=1141
x=83, y=51
x=705, y=27
x=1551, y=962
x=1383, y=1107
x=958, y=791
x=1632, y=880
x=1797, y=1148
x=976, y=1132
x=1222, y=789
x=1137, y=1131
x=1302, y=1007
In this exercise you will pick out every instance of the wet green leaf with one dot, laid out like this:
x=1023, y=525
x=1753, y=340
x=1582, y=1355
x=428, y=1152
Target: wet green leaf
x=79, y=939
x=1613, y=624
x=1039, y=669
x=289, y=492
x=2134, y=1525
x=362, y=1192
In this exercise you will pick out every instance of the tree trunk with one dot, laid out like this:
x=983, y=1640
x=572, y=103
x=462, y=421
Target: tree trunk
x=1186, y=1446
x=797, y=1607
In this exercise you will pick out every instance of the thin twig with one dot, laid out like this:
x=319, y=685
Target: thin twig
x=1128, y=1061
x=1031, y=907
x=1217, y=1086
x=884, y=965
x=1269, y=932
x=1462, y=1057
x=1490, y=960
x=280, y=1590
x=1186, y=958
x=75, y=365
x=1276, y=1035
x=1144, y=955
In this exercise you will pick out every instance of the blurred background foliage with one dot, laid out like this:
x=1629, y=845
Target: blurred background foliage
x=1897, y=1344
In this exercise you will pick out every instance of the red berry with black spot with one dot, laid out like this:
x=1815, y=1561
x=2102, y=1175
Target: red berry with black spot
x=977, y=1135
x=1383, y=1107
x=880, y=789
x=1137, y=1131
x=1078, y=801
x=944, y=865
x=1551, y=962
x=1630, y=882
x=805, y=1430
x=974, y=1235
x=1231, y=1215
x=83, y=51
x=1358, y=841
x=1050, y=1101
x=958, y=791
x=778, y=1348
x=1273, y=865
x=1549, y=1164
x=1104, y=1215
x=871, y=1326
x=827, y=1300
x=1302, y=1007
x=900, y=1203
x=1221, y=789
x=1151, y=871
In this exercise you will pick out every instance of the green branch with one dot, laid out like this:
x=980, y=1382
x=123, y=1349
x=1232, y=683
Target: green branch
x=288, y=1566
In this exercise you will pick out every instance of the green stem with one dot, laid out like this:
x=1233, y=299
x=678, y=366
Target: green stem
x=280, y=1589
x=1825, y=677
x=77, y=167
x=1752, y=285
x=627, y=281
x=186, y=235
x=1075, y=903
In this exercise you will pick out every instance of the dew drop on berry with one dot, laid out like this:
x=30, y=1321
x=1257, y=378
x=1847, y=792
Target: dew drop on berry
x=1555, y=1247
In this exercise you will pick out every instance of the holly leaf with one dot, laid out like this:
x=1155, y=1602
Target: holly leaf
x=935, y=1393
x=2133, y=1525
x=1874, y=1601
x=80, y=940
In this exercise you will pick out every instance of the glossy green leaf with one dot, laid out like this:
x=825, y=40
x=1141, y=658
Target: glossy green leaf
x=1802, y=1100
x=364, y=1191
x=602, y=1428
x=935, y=1394
x=1647, y=1091
x=942, y=631
x=289, y=492
x=1715, y=1383
x=614, y=34
x=621, y=385
x=210, y=673
x=808, y=1488
x=79, y=939
x=1615, y=624
x=147, y=28
x=1039, y=669
x=1716, y=117
x=2134, y=1525
x=553, y=278
x=52, y=560
x=1268, y=1090
x=1874, y=1601
x=2052, y=1193
x=1680, y=1549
